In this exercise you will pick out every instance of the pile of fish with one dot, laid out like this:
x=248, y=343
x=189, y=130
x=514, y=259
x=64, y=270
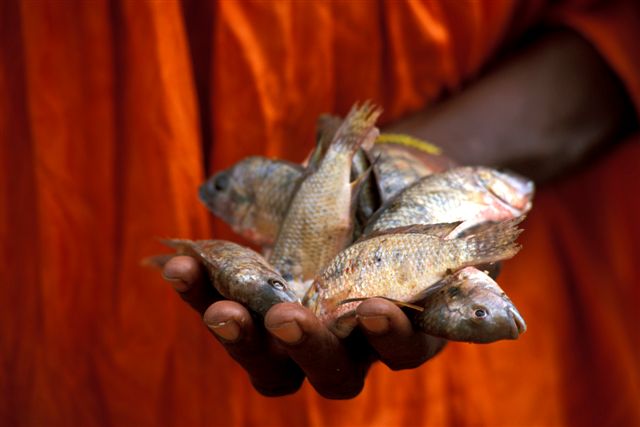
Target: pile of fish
x=369, y=215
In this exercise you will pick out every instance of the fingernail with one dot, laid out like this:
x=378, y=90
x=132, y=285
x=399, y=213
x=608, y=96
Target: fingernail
x=375, y=324
x=228, y=331
x=288, y=332
x=178, y=284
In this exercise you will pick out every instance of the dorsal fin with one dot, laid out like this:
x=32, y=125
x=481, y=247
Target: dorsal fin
x=438, y=230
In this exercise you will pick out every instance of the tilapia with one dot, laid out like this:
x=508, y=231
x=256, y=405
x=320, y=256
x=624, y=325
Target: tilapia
x=401, y=264
x=252, y=196
x=319, y=220
x=402, y=160
x=468, y=305
x=238, y=273
x=469, y=194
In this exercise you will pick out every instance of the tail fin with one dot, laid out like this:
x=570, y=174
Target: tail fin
x=156, y=261
x=185, y=247
x=492, y=243
x=358, y=128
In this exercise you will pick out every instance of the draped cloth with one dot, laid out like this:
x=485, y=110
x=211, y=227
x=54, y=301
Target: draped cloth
x=113, y=112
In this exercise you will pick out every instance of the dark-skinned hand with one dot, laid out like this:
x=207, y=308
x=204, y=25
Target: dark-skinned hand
x=291, y=344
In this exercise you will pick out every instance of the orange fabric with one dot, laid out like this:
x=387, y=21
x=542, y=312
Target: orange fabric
x=111, y=113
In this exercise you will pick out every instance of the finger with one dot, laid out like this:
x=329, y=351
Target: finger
x=270, y=369
x=329, y=365
x=391, y=334
x=189, y=279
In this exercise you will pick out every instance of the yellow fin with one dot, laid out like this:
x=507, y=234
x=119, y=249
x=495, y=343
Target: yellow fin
x=409, y=141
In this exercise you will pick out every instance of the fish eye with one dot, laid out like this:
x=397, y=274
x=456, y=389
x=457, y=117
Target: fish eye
x=480, y=313
x=221, y=182
x=277, y=284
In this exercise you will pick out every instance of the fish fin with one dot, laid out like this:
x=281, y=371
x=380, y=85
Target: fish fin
x=186, y=247
x=156, y=261
x=439, y=230
x=395, y=301
x=369, y=197
x=476, y=228
x=409, y=141
x=181, y=246
x=406, y=305
x=422, y=296
x=344, y=324
x=358, y=183
x=326, y=127
x=492, y=242
x=178, y=244
x=358, y=128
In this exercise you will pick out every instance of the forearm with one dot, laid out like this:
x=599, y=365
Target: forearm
x=538, y=112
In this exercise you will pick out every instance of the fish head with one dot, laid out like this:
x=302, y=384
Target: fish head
x=231, y=193
x=243, y=275
x=260, y=287
x=470, y=306
x=512, y=189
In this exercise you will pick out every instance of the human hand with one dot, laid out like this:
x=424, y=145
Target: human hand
x=292, y=343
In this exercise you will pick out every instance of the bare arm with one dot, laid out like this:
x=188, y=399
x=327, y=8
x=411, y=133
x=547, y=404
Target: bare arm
x=539, y=112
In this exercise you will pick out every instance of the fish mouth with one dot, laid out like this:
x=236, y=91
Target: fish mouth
x=521, y=194
x=518, y=326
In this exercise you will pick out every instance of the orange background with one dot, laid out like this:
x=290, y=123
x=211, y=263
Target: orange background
x=112, y=113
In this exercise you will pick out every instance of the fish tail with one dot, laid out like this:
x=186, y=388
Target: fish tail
x=156, y=261
x=178, y=244
x=185, y=247
x=182, y=246
x=495, y=242
x=358, y=128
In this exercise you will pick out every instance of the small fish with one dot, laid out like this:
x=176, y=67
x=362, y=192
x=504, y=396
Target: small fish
x=319, y=220
x=238, y=273
x=469, y=194
x=401, y=264
x=468, y=305
x=252, y=196
x=399, y=165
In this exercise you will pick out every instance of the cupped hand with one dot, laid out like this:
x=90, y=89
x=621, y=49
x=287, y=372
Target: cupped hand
x=291, y=343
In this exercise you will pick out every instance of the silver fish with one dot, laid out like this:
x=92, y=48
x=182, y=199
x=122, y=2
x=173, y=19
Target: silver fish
x=252, y=196
x=472, y=195
x=319, y=220
x=403, y=263
x=399, y=163
x=238, y=273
